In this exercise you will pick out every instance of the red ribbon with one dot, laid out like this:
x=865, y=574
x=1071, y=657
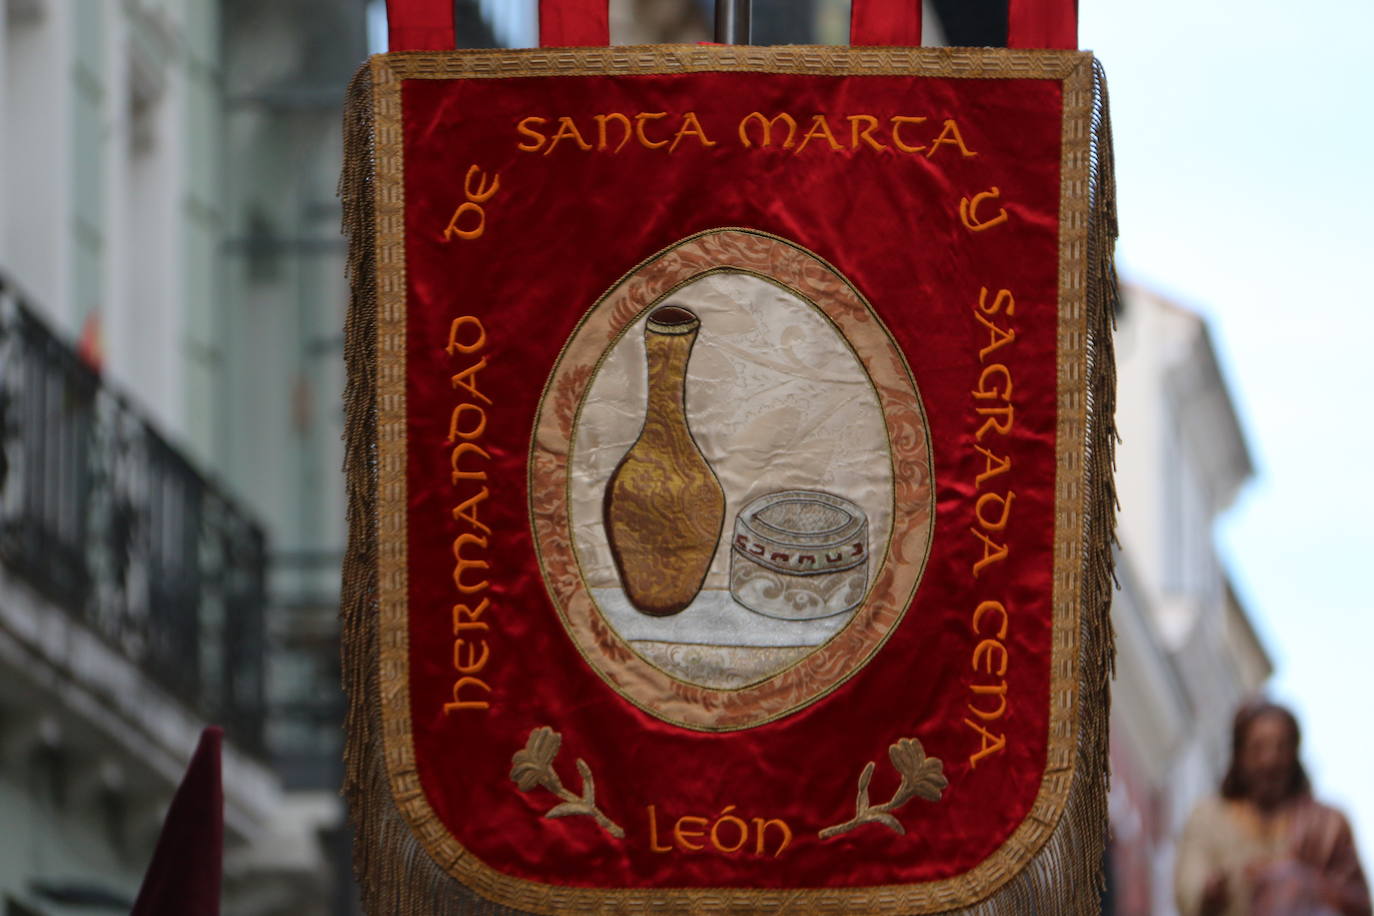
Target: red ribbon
x=1042, y=24
x=574, y=23
x=427, y=25
x=896, y=23
x=420, y=25
x=1030, y=23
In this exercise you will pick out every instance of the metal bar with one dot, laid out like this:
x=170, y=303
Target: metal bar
x=732, y=21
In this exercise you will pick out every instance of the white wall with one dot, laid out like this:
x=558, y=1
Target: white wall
x=1184, y=656
x=110, y=176
x=45, y=841
x=34, y=128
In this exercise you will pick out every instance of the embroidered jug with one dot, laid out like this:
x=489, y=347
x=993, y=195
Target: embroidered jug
x=664, y=507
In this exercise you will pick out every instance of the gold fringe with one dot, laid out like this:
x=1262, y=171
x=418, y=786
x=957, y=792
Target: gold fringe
x=1066, y=877
x=396, y=875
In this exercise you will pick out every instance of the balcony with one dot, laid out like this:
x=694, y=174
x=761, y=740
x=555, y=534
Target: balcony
x=110, y=523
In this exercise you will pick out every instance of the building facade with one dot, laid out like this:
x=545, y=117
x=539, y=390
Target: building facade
x=133, y=577
x=1187, y=654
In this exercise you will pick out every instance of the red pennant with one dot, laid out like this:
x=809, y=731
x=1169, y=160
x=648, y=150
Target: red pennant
x=1042, y=24
x=896, y=23
x=574, y=23
x=420, y=25
x=188, y=863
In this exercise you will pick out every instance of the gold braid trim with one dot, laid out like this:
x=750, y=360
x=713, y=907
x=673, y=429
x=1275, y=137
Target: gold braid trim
x=395, y=874
x=1065, y=877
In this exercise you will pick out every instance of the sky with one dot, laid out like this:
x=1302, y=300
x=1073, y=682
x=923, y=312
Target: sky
x=1244, y=133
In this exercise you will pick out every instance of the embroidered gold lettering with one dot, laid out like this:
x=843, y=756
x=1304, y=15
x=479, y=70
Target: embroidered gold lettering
x=991, y=374
x=737, y=824
x=985, y=651
x=993, y=465
x=471, y=666
x=949, y=135
x=986, y=607
x=761, y=834
x=467, y=379
x=465, y=321
x=459, y=703
x=897, y=123
x=997, y=337
x=968, y=211
x=611, y=131
x=653, y=833
x=999, y=691
x=461, y=611
x=992, y=515
x=639, y=128
x=459, y=450
x=988, y=499
x=820, y=127
x=462, y=564
x=479, y=426
x=475, y=197
x=485, y=190
x=626, y=132
x=856, y=133
x=993, y=552
x=681, y=831
x=526, y=129
x=1003, y=296
x=766, y=127
x=466, y=338
x=455, y=222
x=989, y=744
x=999, y=420
x=691, y=127
x=466, y=511
x=567, y=130
x=727, y=833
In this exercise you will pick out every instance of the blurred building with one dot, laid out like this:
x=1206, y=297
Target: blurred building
x=133, y=580
x=1186, y=652
x=285, y=69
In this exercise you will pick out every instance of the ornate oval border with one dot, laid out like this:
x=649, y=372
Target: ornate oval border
x=817, y=674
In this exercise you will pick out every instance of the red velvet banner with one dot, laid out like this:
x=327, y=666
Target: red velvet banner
x=885, y=22
x=420, y=25
x=574, y=23
x=824, y=317
x=1042, y=24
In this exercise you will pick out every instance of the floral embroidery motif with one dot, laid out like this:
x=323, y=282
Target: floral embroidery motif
x=922, y=777
x=533, y=766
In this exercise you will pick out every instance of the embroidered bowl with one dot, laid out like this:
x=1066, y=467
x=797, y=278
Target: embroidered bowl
x=799, y=555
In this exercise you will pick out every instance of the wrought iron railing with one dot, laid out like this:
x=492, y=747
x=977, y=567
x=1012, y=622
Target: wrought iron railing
x=113, y=524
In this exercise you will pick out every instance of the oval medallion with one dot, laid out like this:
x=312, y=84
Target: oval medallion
x=730, y=482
